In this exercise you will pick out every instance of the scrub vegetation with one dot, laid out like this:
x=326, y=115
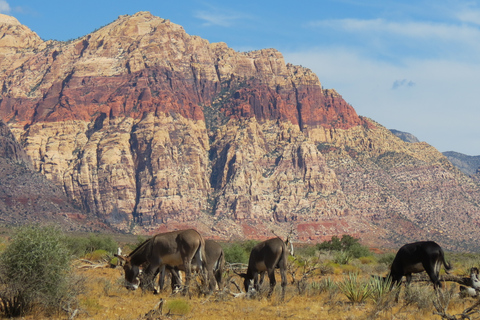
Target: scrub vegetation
x=47, y=274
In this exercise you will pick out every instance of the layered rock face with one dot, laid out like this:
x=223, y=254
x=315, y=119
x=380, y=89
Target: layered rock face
x=27, y=196
x=148, y=128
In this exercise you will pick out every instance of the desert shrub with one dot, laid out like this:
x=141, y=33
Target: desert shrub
x=306, y=251
x=234, y=253
x=238, y=252
x=367, y=260
x=97, y=255
x=80, y=246
x=420, y=295
x=347, y=244
x=34, y=270
x=386, y=258
x=326, y=268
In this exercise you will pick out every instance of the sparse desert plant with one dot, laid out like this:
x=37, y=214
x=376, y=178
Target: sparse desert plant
x=324, y=285
x=342, y=257
x=382, y=296
x=380, y=288
x=97, y=255
x=355, y=289
x=420, y=295
x=178, y=307
x=35, y=270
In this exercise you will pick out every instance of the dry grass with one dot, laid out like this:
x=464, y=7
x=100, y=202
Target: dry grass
x=106, y=298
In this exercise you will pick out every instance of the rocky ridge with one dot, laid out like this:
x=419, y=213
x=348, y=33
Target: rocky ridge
x=148, y=128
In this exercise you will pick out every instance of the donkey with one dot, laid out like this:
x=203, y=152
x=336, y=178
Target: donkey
x=417, y=257
x=265, y=257
x=176, y=248
x=215, y=267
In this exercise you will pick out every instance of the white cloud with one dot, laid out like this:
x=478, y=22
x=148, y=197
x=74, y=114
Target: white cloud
x=4, y=6
x=411, y=29
x=214, y=19
x=215, y=16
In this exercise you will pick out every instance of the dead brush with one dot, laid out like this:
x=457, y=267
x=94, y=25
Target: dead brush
x=444, y=298
x=303, y=268
x=419, y=295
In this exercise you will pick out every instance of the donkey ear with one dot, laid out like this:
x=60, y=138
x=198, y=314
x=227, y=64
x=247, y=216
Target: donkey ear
x=121, y=257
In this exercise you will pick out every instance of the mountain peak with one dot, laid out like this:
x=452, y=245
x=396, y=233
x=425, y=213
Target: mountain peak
x=14, y=35
x=4, y=19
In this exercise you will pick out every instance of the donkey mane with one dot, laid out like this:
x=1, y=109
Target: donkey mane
x=141, y=251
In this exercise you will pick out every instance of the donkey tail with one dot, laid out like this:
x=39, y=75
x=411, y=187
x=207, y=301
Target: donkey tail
x=446, y=265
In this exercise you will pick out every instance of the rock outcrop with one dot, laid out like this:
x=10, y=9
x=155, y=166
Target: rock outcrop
x=147, y=128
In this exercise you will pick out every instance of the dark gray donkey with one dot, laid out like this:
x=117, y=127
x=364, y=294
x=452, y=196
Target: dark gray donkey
x=176, y=248
x=215, y=268
x=266, y=257
x=417, y=257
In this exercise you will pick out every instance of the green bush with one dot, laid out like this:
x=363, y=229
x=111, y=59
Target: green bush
x=386, y=258
x=35, y=270
x=81, y=246
x=235, y=254
x=306, y=251
x=347, y=244
x=239, y=252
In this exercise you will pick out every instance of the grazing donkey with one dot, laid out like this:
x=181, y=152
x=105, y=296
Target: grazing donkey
x=176, y=248
x=417, y=257
x=265, y=257
x=215, y=267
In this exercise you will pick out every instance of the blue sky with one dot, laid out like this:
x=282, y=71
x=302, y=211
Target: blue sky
x=413, y=66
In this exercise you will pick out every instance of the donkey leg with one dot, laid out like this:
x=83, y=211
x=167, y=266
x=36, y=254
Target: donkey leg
x=433, y=275
x=273, y=282
x=283, y=275
x=188, y=275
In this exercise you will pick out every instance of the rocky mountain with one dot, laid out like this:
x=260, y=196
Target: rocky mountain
x=405, y=136
x=469, y=165
x=147, y=128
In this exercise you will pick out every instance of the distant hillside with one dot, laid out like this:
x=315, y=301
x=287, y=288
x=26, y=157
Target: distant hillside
x=405, y=136
x=467, y=164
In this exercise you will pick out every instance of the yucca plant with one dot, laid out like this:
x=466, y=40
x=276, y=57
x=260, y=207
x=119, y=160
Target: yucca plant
x=380, y=287
x=324, y=285
x=355, y=289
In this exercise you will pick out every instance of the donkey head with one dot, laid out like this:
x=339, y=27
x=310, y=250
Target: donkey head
x=132, y=273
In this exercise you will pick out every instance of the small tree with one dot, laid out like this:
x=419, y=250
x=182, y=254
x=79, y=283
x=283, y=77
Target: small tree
x=34, y=270
x=347, y=244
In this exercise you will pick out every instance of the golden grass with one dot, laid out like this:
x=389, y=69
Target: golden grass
x=105, y=298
